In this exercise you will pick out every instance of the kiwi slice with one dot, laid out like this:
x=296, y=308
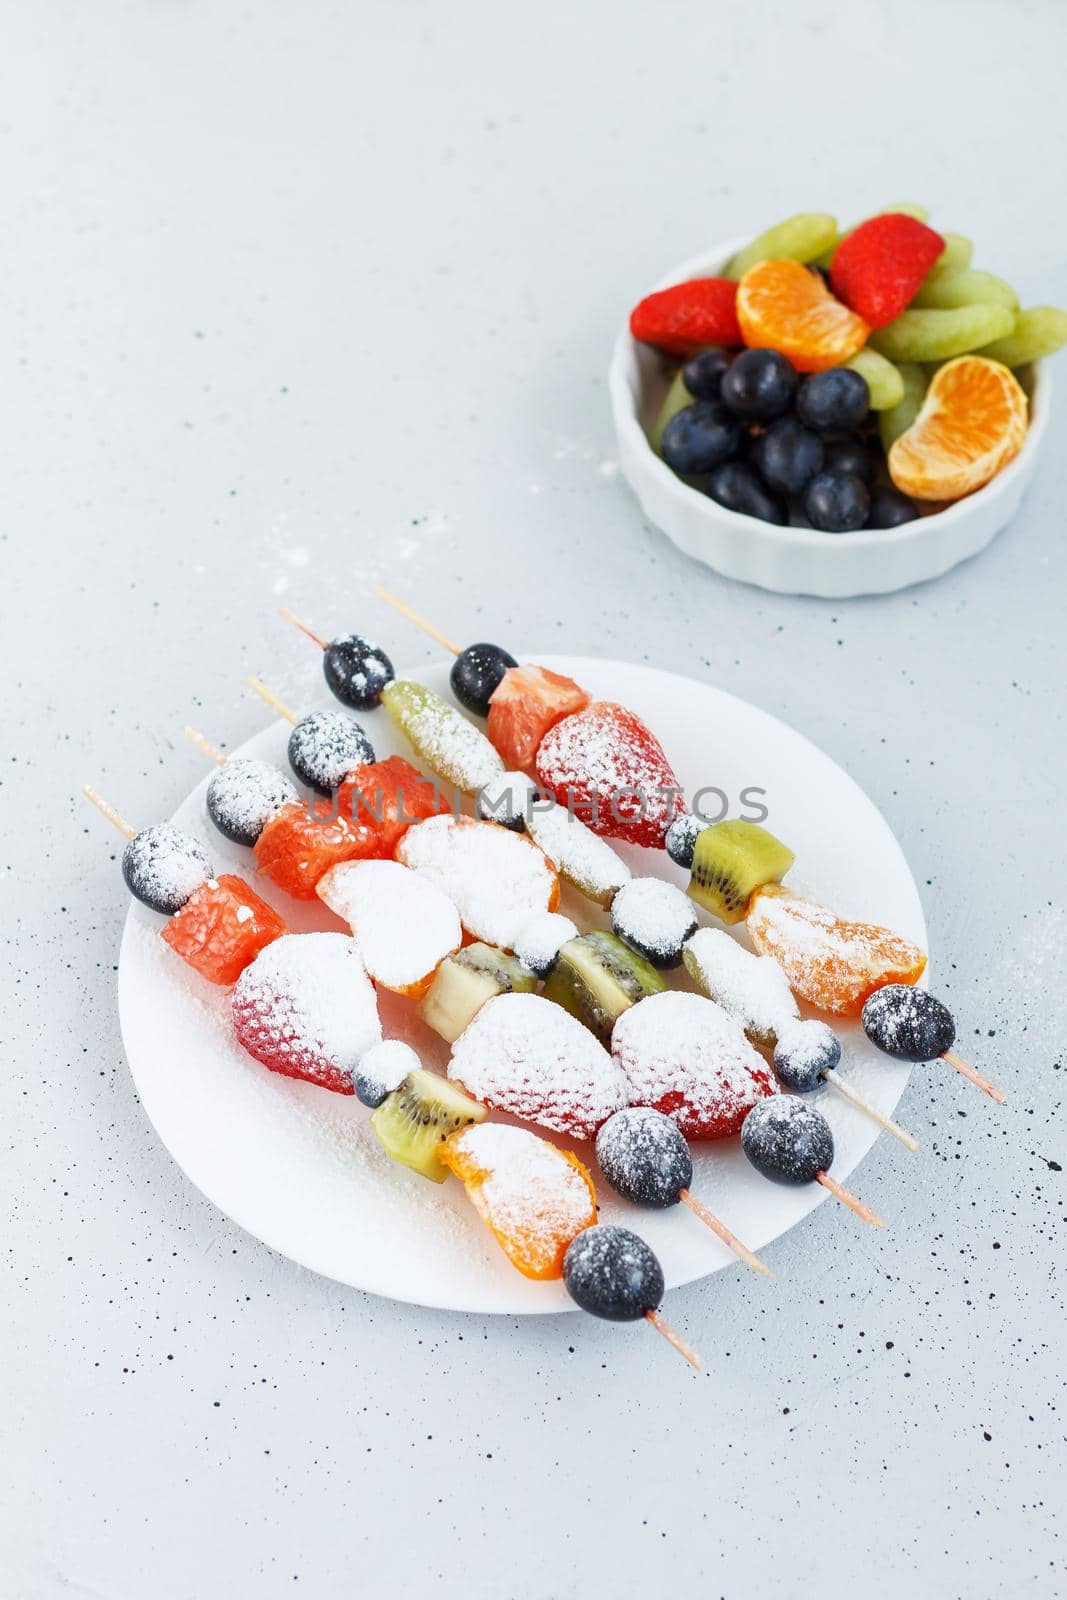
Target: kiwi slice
x=597, y=977
x=731, y=860
x=465, y=981
x=411, y=1123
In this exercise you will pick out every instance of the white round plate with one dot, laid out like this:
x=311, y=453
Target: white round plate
x=299, y=1167
x=800, y=560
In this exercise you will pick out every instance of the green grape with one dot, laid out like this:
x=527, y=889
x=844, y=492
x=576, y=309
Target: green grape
x=883, y=379
x=899, y=418
x=800, y=238
x=939, y=335
x=947, y=287
x=674, y=400
x=450, y=746
x=920, y=214
x=957, y=252
x=1038, y=332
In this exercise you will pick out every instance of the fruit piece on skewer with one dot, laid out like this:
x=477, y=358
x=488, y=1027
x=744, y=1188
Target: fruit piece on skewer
x=305, y=1008
x=611, y=1273
x=682, y=1055
x=355, y=670
x=217, y=925
x=525, y=1056
x=913, y=1025
x=612, y=772
x=681, y=837
x=655, y=918
x=451, y=746
x=832, y=964
x=525, y=704
x=540, y=940
x=383, y=799
x=596, y=977
x=731, y=860
x=645, y=1159
x=464, y=982
x=507, y=801
x=583, y=858
x=496, y=878
x=297, y=846
x=790, y=1142
x=382, y=1069
x=534, y=1197
x=405, y=924
x=809, y=1053
x=412, y=1123
x=324, y=746
x=244, y=794
x=477, y=673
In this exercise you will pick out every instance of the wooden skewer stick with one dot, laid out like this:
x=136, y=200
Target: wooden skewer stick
x=853, y=1098
x=271, y=698
x=108, y=811
x=205, y=745
x=295, y=620
x=976, y=1078
x=731, y=1241
x=673, y=1337
x=413, y=616
x=863, y=1212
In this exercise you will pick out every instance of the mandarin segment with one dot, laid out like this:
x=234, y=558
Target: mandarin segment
x=833, y=964
x=783, y=306
x=972, y=423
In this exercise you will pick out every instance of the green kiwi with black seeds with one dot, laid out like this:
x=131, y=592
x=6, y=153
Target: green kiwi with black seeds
x=731, y=860
x=597, y=977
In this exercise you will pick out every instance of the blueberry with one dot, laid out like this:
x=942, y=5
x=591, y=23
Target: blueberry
x=357, y=671
x=612, y=1273
x=163, y=866
x=243, y=796
x=505, y=800
x=382, y=1069
x=852, y=456
x=836, y=399
x=908, y=1023
x=759, y=385
x=787, y=1140
x=702, y=374
x=890, y=509
x=325, y=746
x=700, y=437
x=655, y=918
x=644, y=1157
x=740, y=488
x=682, y=837
x=788, y=456
x=804, y=1052
x=836, y=502
x=476, y=672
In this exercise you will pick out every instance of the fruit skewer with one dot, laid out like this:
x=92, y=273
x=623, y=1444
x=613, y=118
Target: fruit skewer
x=216, y=924
x=790, y=1142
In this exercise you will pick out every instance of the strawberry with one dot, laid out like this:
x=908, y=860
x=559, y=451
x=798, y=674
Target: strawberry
x=685, y=318
x=606, y=764
x=524, y=705
x=879, y=267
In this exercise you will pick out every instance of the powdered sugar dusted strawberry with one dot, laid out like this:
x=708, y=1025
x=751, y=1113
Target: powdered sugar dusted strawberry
x=306, y=1008
x=613, y=772
x=526, y=1056
x=682, y=1055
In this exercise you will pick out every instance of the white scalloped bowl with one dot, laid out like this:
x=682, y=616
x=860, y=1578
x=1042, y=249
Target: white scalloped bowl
x=799, y=560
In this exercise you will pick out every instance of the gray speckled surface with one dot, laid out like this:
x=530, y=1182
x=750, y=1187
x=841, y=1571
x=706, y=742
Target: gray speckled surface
x=295, y=299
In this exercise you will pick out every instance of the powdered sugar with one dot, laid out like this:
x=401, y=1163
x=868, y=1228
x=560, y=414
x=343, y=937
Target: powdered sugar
x=385, y=1066
x=540, y=939
x=584, y=859
x=405, y=924
x=304, y=1007
x=533, y=1198
x=506, y=800
x=162, y=867
x=496, y=878
x=614, y=770
x=243, y=796
x=655, y=917
x=524, y=1055
x=831, y=963
x=753, y=990
x=453, y=747
x=325, y=746
x=683, y=1055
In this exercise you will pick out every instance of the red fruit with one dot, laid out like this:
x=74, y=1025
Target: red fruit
x=613, y=772
x=685, y=318
x=295, y=848
x=879, y=267
x=221, y=928
x=524, y=705
x=383, y=799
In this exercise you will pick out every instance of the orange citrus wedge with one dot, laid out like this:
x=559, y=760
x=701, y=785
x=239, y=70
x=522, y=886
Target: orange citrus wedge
x=782, y=305
x=972, y=422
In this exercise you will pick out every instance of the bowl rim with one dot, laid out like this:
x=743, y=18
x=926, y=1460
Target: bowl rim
x=624, y=385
